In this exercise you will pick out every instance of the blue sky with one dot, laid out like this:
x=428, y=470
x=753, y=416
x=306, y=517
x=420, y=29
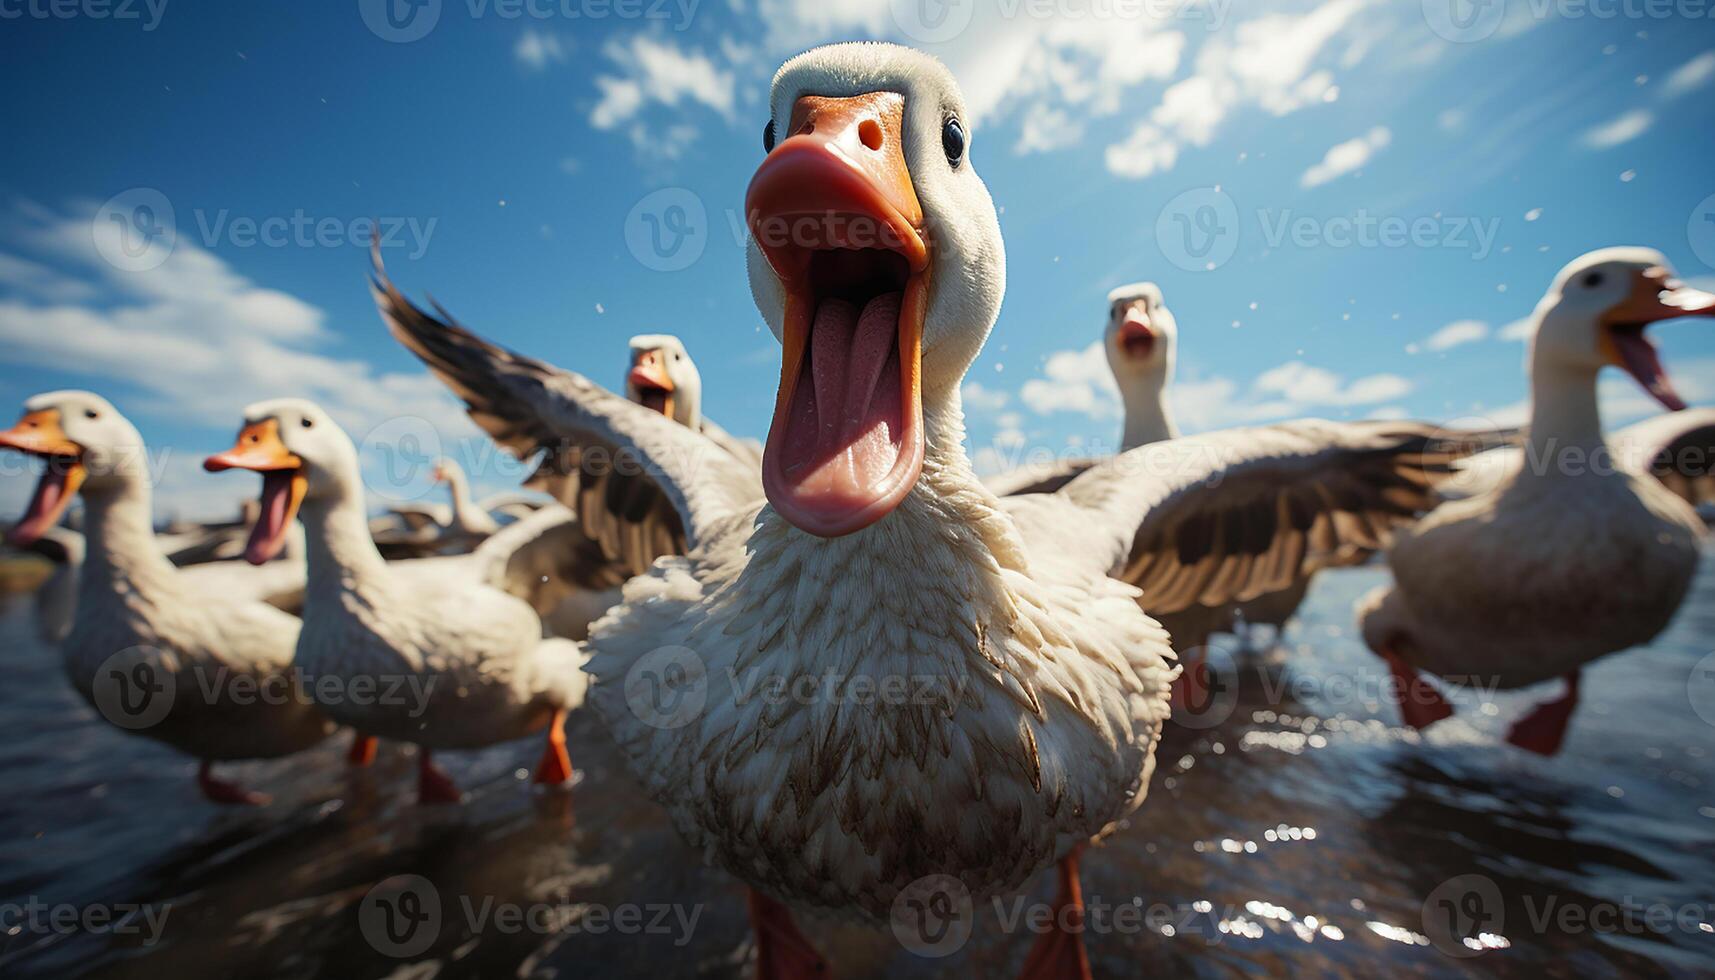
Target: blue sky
x=515, y=152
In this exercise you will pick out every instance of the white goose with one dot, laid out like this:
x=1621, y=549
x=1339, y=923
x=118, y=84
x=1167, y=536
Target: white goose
x=868, y=552
x=475, y=650
x=145, y=636
x=1574, y=555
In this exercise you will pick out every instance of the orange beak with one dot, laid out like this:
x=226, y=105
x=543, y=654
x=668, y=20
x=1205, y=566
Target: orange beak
x=39, y=434
x=648, y=384
x=1655, y=296
x=260, y=449
x=1136, y=336
x=834, y=212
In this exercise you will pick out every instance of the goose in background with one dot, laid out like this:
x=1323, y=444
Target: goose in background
x=867, y=549
x=56, y=597
x=1573, y=554
x=147, y=647
x=443, y=626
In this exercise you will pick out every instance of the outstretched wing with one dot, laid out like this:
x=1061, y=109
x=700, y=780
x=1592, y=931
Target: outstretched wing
x=1237, y=514
x=1677, y=448
x=641, y=484
x=1038, y=478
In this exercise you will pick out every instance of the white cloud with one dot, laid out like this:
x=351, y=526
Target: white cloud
x=1145, y=152
x=1621, y=129
x=40, y=281
x=1692, y=75
x=1518, y=330
x=655, y=71
x=1045, y=127
x=537, y=49
x=1456, y=333
x=1304, y=384
x=981, y=398
x=1346, y=157
x=1077, y=381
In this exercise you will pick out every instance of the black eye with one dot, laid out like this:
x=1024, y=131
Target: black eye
x=953, y=141
x=306, y=423
x=1592, y=280
x=91, y=414
x=768, y=137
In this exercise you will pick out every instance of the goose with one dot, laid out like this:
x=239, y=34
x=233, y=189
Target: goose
x=56, y=598
x=140, y=620
x=866, y=551
x=442, y=625
x=1573, y=555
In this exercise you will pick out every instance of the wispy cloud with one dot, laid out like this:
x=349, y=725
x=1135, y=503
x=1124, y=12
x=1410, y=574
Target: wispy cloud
x=1346, y=157
x=536, y=50
x=1691, y=76
x=1624, y=128
x=1456, y=333
x=653, y=71
x=1076, y=381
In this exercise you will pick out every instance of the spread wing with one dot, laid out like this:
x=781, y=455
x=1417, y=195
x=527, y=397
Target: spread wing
x=1677, y=448
x=641, y=484
x=1237, y=514
x=1043, y=478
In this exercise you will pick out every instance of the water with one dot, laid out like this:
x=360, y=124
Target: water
x=1306, y=833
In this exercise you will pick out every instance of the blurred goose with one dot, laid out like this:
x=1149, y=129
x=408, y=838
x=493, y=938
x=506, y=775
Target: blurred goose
x=1570, y=557
x=440, y=625
x=867, y=550
x=143, y=631
x=56, y=598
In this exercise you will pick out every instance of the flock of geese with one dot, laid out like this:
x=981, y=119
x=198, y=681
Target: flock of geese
x=1043, y=608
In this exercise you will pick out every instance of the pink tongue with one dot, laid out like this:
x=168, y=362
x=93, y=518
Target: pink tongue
x=845, y=427
x=1644, y=365
x=270, y=529
x=44, y=506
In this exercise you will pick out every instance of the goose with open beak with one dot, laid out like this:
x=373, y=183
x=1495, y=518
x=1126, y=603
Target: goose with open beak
x=441, y=627
x=153, y=651
x=861, y=675
x=1575, y=553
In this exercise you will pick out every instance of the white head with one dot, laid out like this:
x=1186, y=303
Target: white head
x=1141, y=339
x=876, y=259
x=663, y=378
x=301, y=454
x=447, y=471
x=1596, y=311
x=87, y=447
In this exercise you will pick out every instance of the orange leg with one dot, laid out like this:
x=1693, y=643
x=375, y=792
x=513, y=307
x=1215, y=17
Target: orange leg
x=433, y=784
x=362, y=749
x=555, y=768
x=1420, y=704
x=1544, y=728
x=782, y=952
x=221, y=791
x=1191, y=690
x=1060, y=953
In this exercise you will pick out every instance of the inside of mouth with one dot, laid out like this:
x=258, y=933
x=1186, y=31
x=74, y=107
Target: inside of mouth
x=270, y=530
x=50, y=499
x=844, y=429
x=653, y=397
x=1641, y=361
x=1137, y=344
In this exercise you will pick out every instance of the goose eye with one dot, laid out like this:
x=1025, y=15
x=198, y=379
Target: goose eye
x=91, y=414
x=768, y=137
x=1592, y=280
x=953, y=141
x=306, y=423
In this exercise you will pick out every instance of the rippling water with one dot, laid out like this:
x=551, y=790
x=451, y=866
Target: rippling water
x=1303, y=833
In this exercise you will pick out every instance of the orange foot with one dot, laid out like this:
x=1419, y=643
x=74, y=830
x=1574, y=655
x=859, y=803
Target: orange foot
x=1060, y=953
x=433, y=784
x=362, y=749
x=782, y=952
x=555, y=769
x=223, y=792
x=1420, y=704
x=1544, y=729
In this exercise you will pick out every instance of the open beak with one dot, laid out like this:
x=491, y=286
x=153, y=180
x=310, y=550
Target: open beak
x=648, y=384
x=834, y=212
x=39, y=434
x=1136, y=336
x=283, y=485
x=1655, y=295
